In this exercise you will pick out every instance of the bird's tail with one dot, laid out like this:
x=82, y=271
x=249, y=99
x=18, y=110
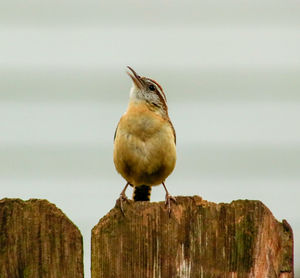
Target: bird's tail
x=142, y=193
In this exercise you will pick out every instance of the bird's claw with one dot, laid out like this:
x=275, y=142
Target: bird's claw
x=169, y=198
x=121, y=199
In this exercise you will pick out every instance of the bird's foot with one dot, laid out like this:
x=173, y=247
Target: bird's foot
x=169, y=198
x=123, y=198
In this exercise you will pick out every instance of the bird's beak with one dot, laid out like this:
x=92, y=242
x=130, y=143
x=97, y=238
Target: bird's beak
x=135, y=78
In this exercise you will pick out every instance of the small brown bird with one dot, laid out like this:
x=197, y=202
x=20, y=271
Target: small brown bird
x=144, y=141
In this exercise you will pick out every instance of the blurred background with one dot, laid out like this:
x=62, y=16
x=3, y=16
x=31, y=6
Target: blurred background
x=231, y=72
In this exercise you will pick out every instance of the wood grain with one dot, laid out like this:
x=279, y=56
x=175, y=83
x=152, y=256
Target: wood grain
x=38, y=241
x=200, y=239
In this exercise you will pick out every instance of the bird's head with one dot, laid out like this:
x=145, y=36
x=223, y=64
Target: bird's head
x=148, y=90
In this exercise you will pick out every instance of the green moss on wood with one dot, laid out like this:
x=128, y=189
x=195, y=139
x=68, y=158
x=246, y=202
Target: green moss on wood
x=200, y=239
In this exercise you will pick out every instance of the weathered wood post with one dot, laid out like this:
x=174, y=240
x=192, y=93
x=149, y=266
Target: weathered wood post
x=38, y=241
x=201, y=239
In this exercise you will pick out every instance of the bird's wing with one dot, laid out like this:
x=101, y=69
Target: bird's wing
x=116, y=131
x=174, y=132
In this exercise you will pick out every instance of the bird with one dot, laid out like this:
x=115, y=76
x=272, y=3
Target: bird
x=144, y=150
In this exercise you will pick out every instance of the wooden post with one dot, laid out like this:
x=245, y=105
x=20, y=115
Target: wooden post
x=38, y=241
x=200, y=240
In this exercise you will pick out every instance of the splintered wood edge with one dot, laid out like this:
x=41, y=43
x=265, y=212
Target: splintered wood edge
x=39, y=202
x=132, y=208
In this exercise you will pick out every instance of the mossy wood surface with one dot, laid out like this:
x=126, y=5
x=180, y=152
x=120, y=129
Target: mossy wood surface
x=38, y=241
x=201, y=239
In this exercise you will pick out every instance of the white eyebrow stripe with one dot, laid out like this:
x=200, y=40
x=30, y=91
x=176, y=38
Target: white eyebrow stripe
x=161, y=93
x=158, y=89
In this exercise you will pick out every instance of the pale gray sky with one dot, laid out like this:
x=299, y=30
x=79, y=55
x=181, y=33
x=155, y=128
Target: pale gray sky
x=231, y=74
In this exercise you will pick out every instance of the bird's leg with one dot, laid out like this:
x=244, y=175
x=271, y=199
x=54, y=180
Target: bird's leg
x=169, y=198
x=123, y=197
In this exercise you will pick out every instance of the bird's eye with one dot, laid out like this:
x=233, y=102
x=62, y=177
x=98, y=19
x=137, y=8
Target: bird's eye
x=151, y=87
